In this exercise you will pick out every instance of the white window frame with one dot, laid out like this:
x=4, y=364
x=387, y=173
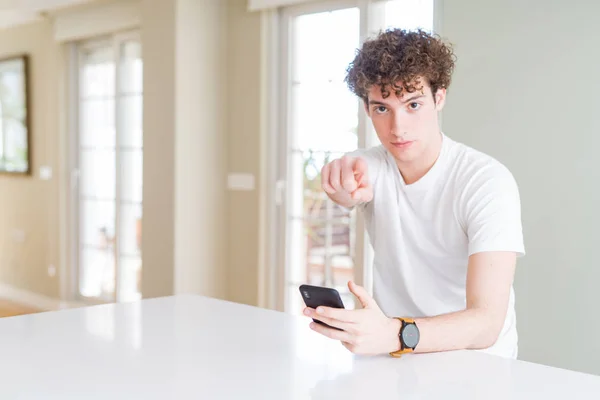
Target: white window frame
x=275, y=93
x=74, y=53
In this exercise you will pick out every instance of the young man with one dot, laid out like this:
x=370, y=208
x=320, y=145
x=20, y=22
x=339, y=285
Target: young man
x=444, y=219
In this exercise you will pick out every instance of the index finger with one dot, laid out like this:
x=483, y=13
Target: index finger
x=360, y=169
x=341, y=314
x=349, y=182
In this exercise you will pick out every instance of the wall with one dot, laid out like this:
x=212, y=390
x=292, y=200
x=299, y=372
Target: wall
x=201, y=109
x=244, y=150
x=158, y=238
x=185, y=147
x=526, y=91
x=29, y=204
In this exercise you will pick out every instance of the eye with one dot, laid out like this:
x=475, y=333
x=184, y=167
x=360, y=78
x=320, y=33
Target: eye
x=414, y=106
x=380, y=109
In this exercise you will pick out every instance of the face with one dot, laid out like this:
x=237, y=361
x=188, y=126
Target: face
x=407, y=126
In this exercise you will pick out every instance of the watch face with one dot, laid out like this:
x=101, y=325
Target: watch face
x=410, y=335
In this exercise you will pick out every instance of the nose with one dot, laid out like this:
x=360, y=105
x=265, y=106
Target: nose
x=397, y=127
x=398, y=132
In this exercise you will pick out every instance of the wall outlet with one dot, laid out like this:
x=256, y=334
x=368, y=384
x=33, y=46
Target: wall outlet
x=51, y=271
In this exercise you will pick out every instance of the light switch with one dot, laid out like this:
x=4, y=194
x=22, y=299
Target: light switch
x=18, y=235
x=240, y=181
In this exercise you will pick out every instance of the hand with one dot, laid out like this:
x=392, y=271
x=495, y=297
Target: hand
x=346, y=181
x=365, y=331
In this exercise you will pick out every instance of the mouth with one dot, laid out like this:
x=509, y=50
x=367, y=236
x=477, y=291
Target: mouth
x=402, y=145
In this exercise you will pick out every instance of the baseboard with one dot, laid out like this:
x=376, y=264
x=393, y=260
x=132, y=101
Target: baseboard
x=35, y=300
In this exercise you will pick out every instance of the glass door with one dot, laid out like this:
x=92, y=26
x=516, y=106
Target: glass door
x=108, y=170
x=321, y=243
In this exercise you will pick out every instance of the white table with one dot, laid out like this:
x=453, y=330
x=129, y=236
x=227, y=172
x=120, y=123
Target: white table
x=193, y=347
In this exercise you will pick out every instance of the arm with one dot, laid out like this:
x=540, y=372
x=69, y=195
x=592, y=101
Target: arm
x=489, y=278
x=491, y=211
x=369, y=331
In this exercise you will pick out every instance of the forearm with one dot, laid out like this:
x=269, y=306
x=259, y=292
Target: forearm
x=475, y=328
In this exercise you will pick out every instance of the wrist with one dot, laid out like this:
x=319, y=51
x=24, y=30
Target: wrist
x=394, y=326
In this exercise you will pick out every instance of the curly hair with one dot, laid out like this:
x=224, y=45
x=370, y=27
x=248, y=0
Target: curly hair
x=397, y=58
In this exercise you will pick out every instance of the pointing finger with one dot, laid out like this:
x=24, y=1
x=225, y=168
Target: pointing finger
x=348, y=177
x=360, y=170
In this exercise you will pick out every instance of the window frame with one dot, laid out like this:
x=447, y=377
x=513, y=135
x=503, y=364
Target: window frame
x=75, y=49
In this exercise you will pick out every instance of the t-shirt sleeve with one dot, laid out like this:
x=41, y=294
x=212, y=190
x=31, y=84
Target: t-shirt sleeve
x=492, y=211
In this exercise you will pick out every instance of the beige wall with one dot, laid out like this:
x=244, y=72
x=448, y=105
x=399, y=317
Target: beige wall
x=201, y=137
x=185, y=147
x=526, y=91
x=158, y=239
x=244, y=151
x=194, y=230
x=27, y=203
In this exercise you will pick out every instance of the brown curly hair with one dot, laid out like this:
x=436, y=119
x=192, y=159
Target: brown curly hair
x=397, y=58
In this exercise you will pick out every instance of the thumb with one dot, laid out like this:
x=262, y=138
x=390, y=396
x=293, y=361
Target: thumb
x=361, y=293
x=363, y=194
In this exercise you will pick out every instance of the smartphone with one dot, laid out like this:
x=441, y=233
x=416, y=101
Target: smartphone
x=315, y=296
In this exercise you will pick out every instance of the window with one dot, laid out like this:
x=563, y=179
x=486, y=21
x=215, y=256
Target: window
x=108, y=167
x=324, y=244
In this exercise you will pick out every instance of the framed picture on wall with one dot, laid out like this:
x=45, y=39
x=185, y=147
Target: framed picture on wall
x=15, y=132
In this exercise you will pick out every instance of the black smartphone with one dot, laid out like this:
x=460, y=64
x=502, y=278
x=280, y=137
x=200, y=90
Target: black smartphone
x=315, y=296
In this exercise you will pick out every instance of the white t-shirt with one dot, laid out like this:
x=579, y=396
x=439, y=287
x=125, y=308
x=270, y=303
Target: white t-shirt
x=423, y=233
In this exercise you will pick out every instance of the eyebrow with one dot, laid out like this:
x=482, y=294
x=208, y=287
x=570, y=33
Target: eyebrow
x=412, y=98
x=416, y=97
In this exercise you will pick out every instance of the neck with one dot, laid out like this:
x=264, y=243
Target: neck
x=413, y=171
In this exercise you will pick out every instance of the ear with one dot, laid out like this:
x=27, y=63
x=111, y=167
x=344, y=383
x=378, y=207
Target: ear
x=440, y=99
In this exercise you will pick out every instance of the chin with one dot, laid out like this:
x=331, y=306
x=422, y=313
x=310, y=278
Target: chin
x=404, y=156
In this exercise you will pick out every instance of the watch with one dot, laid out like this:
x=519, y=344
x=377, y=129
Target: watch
x=408, y=335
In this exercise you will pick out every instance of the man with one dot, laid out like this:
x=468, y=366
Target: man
x=444, y=219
